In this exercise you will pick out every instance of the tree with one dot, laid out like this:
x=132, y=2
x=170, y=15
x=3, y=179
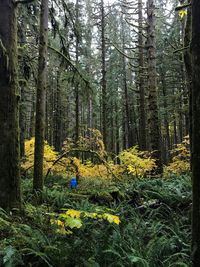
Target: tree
x=41, y=98
x=103, y=71
x=9, y=102
x=154, y=124
x=142, y=110
x=195, y=51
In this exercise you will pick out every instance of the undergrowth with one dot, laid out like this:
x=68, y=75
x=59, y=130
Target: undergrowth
x=153, y=231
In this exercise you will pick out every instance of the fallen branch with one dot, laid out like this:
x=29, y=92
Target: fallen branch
x=86, y=151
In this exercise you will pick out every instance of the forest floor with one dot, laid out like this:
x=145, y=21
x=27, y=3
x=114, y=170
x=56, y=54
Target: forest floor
x=134, y=222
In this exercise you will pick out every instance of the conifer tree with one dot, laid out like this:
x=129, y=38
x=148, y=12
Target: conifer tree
x=9, y=117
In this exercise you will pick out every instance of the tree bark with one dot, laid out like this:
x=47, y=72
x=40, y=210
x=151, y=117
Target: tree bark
x=188, y=70
x=195, y=159
x=41, y=99
x=166, y=119
x=154, y=125
x=103, y=72
x=10, y=196
x=25, y=75
x=142, y=110
x=58, y=116
x=77, y=100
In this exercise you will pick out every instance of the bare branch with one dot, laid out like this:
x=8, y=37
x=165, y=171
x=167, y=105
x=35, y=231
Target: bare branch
x=182, y=7
x=24, y=2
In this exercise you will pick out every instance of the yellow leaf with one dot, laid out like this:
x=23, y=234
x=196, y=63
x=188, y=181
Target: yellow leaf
x=111, y=218
x=182, y=13
x=73, y=213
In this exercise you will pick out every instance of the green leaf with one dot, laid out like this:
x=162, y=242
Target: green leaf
x=72, y=222
x=8, y=258
x=136, y=259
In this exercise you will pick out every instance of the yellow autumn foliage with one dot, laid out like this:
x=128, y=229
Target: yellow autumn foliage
x=180, y=158
x=135, y=162
x=50, y=155
x=72, y=219
x=73, y=213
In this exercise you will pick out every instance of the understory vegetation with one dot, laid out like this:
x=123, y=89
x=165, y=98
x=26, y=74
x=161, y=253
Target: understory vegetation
x=135, y=220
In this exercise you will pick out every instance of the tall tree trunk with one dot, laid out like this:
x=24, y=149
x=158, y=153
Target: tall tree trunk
x=126, y=108
x=154, y=125
x=32, y=117
x=9, y=111
x=58, y=117
x=22, y=122
x=195, y=49
x=117, y=136
x=41, y=99
x=166, y=120
x=77, y=111
x=188, y=69
x=103, y=72
x=25, y=75
x=142, y=110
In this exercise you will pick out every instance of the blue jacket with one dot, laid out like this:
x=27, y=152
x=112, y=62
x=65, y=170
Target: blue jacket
x=73, y=183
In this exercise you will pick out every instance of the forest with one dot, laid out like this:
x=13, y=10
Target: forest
x=100, y=130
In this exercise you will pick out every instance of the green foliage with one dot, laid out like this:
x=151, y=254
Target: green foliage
x=57, y=232
x=173, y=192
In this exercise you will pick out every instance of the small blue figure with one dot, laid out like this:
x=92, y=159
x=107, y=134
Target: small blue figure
x=73, y=183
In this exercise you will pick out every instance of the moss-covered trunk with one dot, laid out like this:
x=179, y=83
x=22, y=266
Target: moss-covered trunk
x=9, y=101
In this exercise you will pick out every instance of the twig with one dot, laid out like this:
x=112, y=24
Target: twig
x=181, y=49
x=182, y=7
x=23, y=2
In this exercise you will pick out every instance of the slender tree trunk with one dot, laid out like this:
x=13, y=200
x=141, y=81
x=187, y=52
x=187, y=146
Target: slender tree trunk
x=180, y=120
x=32, y=117
x=188, y=70
x=117, y=136
x=154, y=124
x=58, y=117
x=90, y=113
x=77, y=104
x=41, y=99
x=22, y=107
x=50, y=110
x=133, y=134
x=195, y=160
x=9, y=108
x=175, y=141
x=126, y=100
x=77, y=126
x=166, y=120
x=22, y=122
x=142, y=110
x=103, y=72
x=124, y=135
